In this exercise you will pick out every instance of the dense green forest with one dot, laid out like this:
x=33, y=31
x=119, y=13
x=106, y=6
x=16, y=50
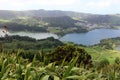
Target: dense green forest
x=21, y=27
x=17, y=42
x=25, y=58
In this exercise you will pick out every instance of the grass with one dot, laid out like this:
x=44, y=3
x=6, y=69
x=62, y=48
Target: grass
x=98, y=53
x=3, y=20
x=14, y=67
x=117, y=27
x=54, y=30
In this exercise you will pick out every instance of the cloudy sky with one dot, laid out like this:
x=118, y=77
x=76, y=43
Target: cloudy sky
x=86, y=6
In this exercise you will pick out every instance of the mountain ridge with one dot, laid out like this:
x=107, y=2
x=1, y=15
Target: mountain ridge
x=57, y=21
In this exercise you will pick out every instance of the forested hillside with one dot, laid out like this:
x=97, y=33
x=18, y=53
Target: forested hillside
x=56, y=21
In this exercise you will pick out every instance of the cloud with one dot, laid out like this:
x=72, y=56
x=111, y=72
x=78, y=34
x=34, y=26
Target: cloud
x=99, y=4
x=116, y=1
x=96, y=4
x=40, y=2
x=53, y=2
x=80, y=3
x=71, y=5
x=27, y=4
x=6, y=4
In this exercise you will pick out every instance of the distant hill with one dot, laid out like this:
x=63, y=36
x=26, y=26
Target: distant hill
x=56, y=21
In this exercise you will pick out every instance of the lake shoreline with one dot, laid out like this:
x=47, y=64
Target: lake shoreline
x=83, y=38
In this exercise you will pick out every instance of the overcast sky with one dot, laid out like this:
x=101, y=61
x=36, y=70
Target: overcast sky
x=86, y=6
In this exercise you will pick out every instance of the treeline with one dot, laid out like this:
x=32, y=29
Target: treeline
x=27, y=43
x=62, y=22
x=103, y=19
x=109, y=43
x=21, y=27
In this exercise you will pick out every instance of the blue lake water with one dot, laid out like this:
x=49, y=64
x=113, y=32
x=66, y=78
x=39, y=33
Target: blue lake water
x=91, y=37
x=30, y=34
x=88, y=38
x=35, y=35
x=117, y=48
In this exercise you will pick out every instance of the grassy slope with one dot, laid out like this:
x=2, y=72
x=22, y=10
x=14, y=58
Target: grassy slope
x=98, y=53
x=3, y=20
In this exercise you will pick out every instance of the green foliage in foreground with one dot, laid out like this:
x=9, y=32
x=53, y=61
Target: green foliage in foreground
x=66, y=62
x=15, y=67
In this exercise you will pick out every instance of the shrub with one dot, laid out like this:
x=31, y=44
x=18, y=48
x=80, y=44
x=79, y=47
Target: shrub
x=117, y=60
x=67, y=53
x=103, y=63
